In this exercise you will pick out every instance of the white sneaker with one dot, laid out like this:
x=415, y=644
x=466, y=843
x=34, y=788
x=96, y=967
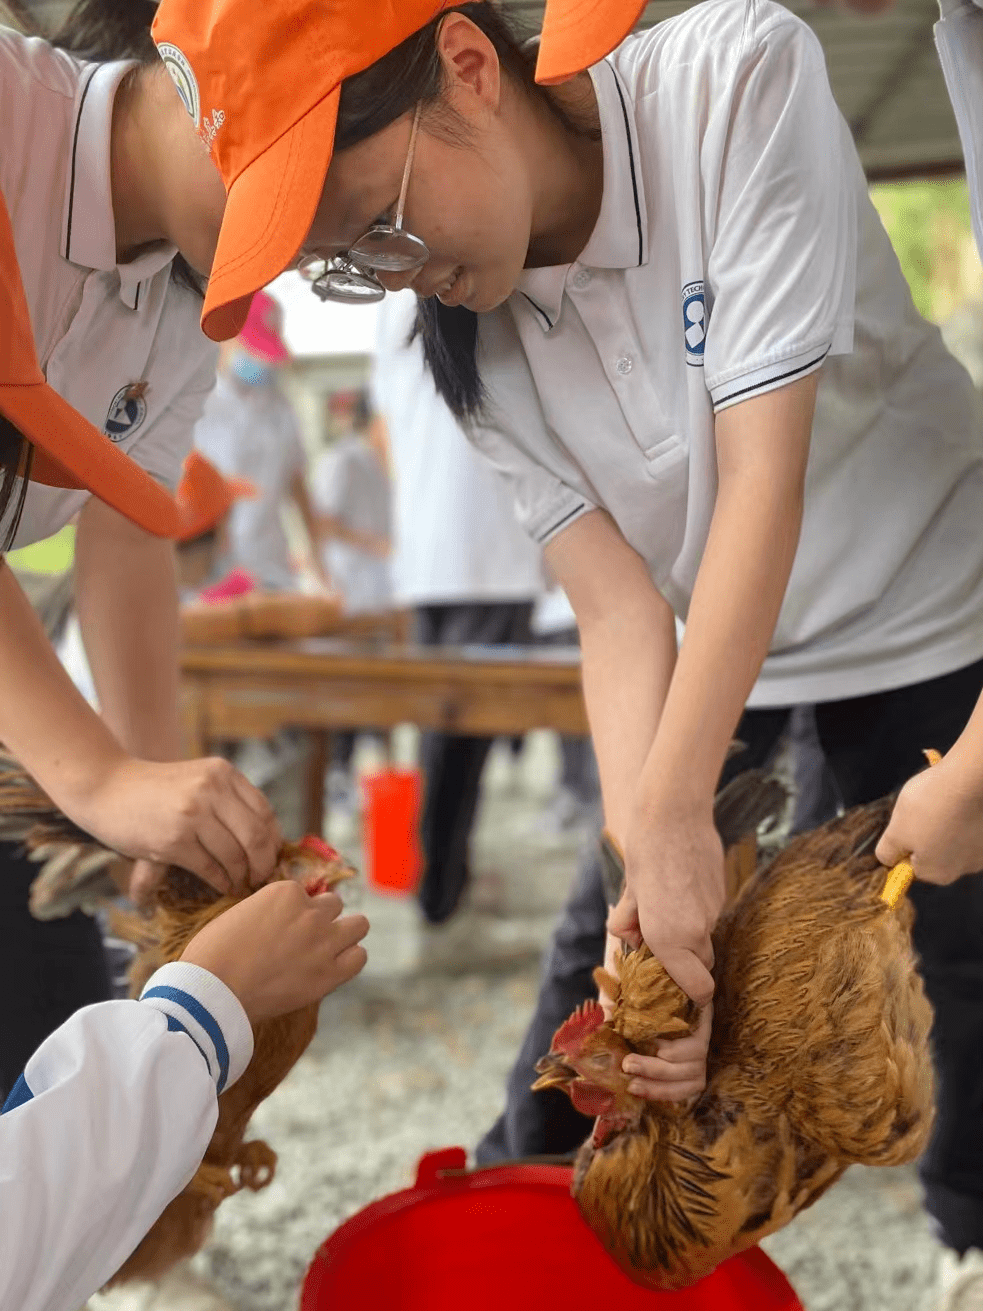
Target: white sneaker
x=959, y=1285
x=181, y=1289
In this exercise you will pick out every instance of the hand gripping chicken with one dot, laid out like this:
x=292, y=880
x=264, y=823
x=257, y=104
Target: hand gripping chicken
x=818, y=1059
x=75, y=871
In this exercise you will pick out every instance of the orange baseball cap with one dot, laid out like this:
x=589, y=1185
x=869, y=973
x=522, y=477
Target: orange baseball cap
x=205, y=496
x=262, y=79
x=68, y=450
x=578, y=33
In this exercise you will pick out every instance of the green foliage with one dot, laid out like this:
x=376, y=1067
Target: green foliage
x=53, y=555
x=919, y=218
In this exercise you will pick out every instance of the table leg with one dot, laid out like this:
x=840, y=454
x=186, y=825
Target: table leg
x=317, y=766
x=193, y=719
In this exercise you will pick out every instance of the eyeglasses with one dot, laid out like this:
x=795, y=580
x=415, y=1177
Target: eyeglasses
x=349, y=277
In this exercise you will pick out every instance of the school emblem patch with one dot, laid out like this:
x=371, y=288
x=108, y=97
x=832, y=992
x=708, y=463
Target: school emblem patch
x=694, y=322
x=183, y=77
x=127, y=411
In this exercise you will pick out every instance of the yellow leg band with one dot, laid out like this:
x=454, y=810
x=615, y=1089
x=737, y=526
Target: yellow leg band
x=897, y=883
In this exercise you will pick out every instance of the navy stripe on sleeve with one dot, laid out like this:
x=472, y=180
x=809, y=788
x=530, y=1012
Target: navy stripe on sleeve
x=203, y=1017
x=19, y=1094
x=175, y=1026
x=767, y=383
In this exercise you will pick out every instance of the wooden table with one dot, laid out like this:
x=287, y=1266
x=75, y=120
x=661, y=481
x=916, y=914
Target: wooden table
x=255, y=689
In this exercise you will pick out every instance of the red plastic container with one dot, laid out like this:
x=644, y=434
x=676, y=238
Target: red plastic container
x=392, y=844
x=504, y=1239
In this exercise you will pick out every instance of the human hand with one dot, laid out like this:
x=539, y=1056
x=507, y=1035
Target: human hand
x=144, y=879
x=201, y=815
x=674, y=892
x=678, y=1071
x=281, y=949
x=937, y=822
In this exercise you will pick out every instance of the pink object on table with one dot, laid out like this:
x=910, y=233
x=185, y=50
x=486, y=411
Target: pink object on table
x=238, y=582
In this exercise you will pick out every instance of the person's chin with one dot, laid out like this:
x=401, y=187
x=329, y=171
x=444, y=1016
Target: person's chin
x=483, y=296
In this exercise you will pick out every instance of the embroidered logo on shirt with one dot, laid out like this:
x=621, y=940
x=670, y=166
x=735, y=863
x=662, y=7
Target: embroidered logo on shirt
x=183, y=77
x=127, y=411
x=694, y=322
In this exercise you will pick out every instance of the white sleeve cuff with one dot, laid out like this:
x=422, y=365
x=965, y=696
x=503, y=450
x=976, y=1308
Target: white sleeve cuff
x=198, y=1003
x=768, y=377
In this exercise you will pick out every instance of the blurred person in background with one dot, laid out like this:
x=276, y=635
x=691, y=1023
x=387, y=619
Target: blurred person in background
x=578, y=791
x=352, y=496
x=249, y=430
x=462, y=562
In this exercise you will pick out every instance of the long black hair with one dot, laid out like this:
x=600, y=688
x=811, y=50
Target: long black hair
x=412, y=74
x=102, y=31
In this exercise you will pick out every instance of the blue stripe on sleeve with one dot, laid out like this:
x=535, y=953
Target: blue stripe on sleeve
x=19, y=1094
x=205, y=1018
x=176, y=1026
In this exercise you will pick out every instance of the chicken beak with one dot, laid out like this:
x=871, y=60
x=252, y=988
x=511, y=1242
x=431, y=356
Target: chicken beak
x=553, y=1072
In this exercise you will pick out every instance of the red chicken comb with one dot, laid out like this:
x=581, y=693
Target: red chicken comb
x=318, y=847
x=582, y=1022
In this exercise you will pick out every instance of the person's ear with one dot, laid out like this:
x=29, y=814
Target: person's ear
x=470, y=61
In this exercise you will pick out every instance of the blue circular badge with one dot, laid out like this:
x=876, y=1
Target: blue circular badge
x=126, y=412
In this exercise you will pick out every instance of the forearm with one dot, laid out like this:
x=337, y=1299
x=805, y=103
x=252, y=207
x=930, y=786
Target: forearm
x=967, y=752
x=628, y=661
x=330, y=526
x=628, y=645
x=732, y=616
x=126, y=594
x=738, y=594
x=302, y=500
x=44, y=720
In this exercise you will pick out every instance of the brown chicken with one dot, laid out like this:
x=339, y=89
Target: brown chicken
x=74, y=871
x=818, y=1059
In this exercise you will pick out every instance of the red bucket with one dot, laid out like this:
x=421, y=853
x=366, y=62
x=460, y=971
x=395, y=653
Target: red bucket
x=504, y=1239
x=391, y=841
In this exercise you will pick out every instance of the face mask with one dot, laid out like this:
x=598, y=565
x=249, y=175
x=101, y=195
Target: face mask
x=253, y=372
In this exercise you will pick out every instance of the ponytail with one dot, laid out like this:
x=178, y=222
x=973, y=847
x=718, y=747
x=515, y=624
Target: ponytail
x=106, y=30
x=13, y=13
x=103, y=31
x=449, y=337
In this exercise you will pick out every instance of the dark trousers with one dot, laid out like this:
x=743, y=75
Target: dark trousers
x=451, y=763
x=48, y=969
x=873, y=744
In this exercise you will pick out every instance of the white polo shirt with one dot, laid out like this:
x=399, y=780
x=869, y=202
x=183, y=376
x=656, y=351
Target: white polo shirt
x=737, y=249
x=455, y=535
x=349, y=483
x=252, y=432
x=100, y=327
x=959, y=38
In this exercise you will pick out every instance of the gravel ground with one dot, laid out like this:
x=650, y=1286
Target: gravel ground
x=403, y=1063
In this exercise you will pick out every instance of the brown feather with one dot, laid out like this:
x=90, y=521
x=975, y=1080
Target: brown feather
x=819, y=1058
x=74, y=872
